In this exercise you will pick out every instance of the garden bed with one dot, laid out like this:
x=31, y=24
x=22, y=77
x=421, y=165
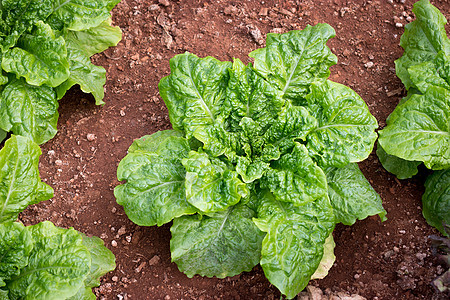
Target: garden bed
x=385, y=260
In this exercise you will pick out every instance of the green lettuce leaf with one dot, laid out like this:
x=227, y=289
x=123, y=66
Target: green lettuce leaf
x=220, y=244
x=154, y=193
x=435, y=73
x=39, y=57
x=346, y=128
x=295, y=178
x=3, y=135
x=250, y=96
x=90, y=77
x=294, y=123
x=351, y=195
x=418, y=129
x=57, y=266
x=28, y=110
x=20, y=184
x=102, y=262
x=16, y=245
x=423, y=39
x=194, y=92
x=18, y=16
x=210, y=185
x=436, y=200
x=79, y=15
x=292, y=61
x=94, y=40
x=294, y=244
x=401, y=168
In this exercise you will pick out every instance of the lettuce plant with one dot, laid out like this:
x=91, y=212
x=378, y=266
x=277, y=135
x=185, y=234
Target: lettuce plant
x=41, y=261
x=418, y=130
x=45, y=49
x=260, y=164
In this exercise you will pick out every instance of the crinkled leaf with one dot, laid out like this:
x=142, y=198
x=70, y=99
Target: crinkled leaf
x=80, y=14
x=292, y=61
x=16, y=245
x=328, y=259
x=250, y=96
x=57, y=266
x=28, y=110
x=418, y=129
x=94, y=40
x=210, y=185
x=154, y=193
x=3, y=135
x=423, y=39
x=194, y=91
x=219, y=244
x=20, y=184
x=401, y=168
x=346, y=131
x=351, y=195
x=18, y=16
x=90, y=77
x=250, y=171
x=39, y=57
x=436, y=200
x=435, y=73
x=294, y=123
x=295, y=178
x=294, y=244
x=216, y=140
x=102, y=262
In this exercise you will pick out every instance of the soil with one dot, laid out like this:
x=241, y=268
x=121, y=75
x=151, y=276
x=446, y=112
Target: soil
x=390, y=260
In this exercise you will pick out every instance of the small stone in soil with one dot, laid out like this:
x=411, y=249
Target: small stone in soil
x=164, y=2
x=90, y=137
x=154, y=260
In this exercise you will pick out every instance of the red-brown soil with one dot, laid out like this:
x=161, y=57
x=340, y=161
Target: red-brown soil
x=390, y=260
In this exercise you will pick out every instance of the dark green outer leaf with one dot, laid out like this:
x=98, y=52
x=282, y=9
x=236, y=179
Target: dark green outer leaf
x=401, y=168
x=423, y=39
x=295, y=178
x=351, y=195
x=39, y=57
x=220, y=244
x=346, y=131
x=20, y=184
x=16, y=245
x=292, y=61
x=418, y=129
x=57, y=267
x=28, y=110
x=90, y=77
x=155, y=190
x=294, y=244
x=436, y=200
